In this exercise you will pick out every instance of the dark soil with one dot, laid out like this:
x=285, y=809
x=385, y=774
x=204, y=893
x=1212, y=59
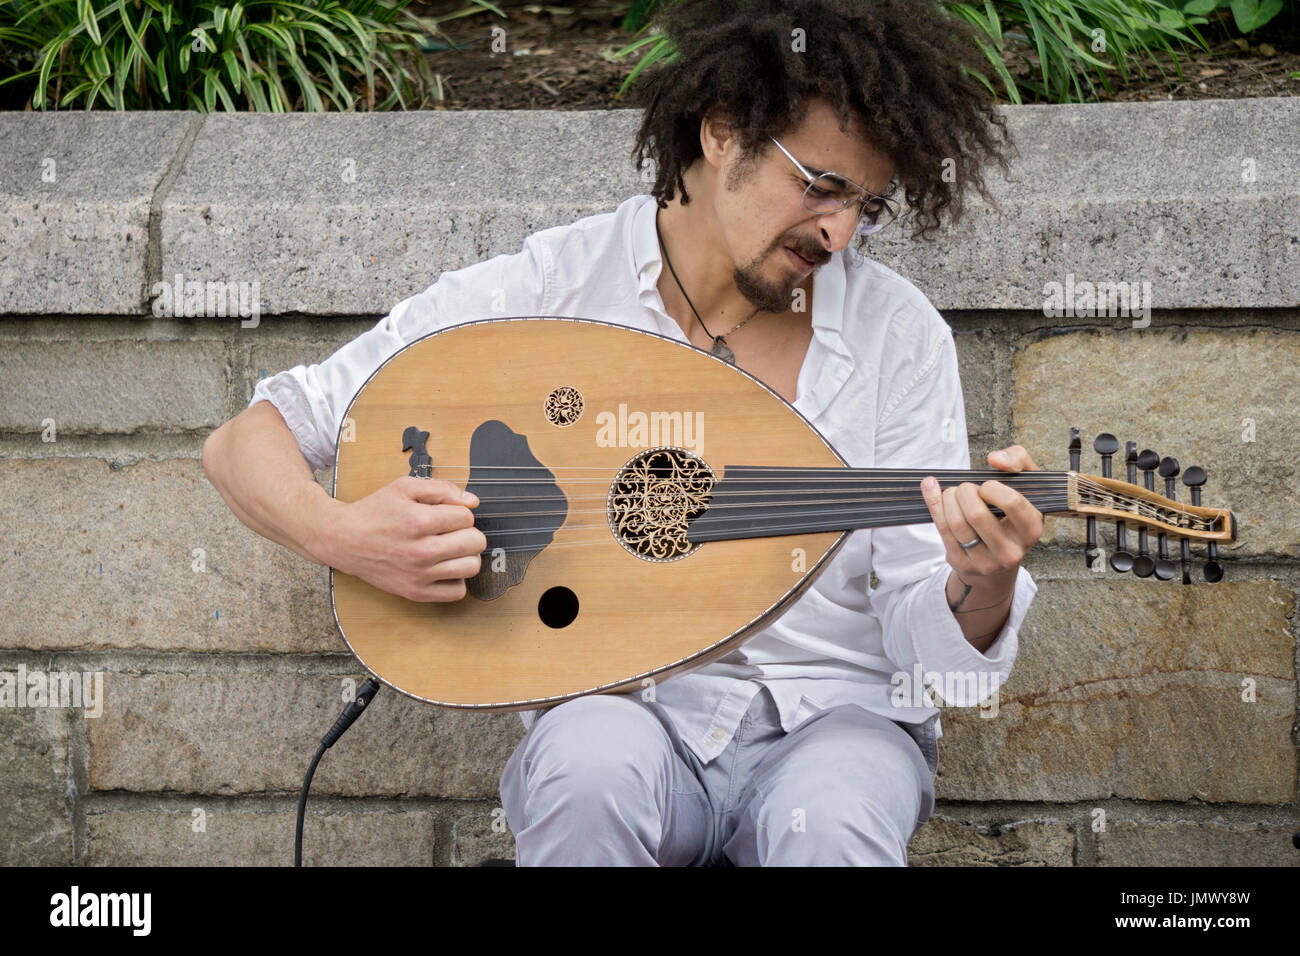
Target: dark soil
x=552, y=60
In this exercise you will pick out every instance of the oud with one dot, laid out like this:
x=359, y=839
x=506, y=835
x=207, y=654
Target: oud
x=609, y=565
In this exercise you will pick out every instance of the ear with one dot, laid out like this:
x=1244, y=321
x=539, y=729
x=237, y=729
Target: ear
x=717, y=139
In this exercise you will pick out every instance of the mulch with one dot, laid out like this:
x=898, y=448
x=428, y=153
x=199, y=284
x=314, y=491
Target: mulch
x=556, y=58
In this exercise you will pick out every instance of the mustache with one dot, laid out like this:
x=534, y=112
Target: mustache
x=818, y=257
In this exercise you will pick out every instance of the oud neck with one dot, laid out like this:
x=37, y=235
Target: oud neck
x=758, y=501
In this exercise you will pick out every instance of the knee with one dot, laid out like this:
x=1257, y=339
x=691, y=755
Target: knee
x=591, y=785
x=839, y=824
x=848, y=804
x=597, y=744
x=851, y=796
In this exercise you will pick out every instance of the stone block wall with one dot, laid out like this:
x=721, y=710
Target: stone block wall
x=1145, y=722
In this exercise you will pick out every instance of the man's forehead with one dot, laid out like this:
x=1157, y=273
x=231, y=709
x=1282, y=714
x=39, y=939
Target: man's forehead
x=822, y=147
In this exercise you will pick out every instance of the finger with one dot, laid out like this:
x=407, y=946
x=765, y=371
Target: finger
x=466, y=567
x=992, y=555
x=436, y=491
x=1012, y=458
x=444, y=591
x=960, y=529
x=984, y=557
x=1023, y=521
x=933, y=498
x=460, y=543
x=444, y=519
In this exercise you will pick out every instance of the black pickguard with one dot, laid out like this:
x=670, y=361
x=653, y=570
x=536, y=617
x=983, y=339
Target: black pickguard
x=521, y=507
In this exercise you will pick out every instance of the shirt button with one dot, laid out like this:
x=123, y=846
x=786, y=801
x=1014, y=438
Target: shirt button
x=719, y=734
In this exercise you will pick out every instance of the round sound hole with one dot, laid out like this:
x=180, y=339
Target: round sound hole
x=563, y=406
x=557, y=607
x=654, y=499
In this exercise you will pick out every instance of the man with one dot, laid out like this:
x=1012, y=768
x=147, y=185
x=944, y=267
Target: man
x=797, y=748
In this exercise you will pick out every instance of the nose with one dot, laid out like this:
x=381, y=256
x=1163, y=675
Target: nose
x=838, y=228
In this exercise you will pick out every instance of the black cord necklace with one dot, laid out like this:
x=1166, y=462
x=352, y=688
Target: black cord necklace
x=720, y=347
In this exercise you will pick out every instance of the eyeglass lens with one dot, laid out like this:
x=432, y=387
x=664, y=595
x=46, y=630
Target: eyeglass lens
x=828, y=193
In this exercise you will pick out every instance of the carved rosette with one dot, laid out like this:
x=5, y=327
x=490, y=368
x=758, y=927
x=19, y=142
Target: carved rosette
x=654, y=499
x=563, y=406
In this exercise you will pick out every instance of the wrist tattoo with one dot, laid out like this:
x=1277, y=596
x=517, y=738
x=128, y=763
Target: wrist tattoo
x=956, y=606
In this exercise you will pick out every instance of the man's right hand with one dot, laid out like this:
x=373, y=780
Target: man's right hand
x=415, y=538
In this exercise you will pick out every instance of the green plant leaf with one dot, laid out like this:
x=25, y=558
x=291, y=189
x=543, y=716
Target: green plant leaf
x=994, y=28
x=19, y=76
x=80, y=88
x=89, y=20
x=339, y=94
x=366, y=38
x=316, y=28
x=279, y=96
x=307, y=84
x=636, y=45
x=160, y=71
x=273, y=35
x=96, y=91
x=232, y=67
x=1000, y=67
x=134, y=35
x=661, y=51
x=47, y=63
x=99, y=57
x=397, y=83
x=1250, y=15
x=222, y=93
x=253, y=90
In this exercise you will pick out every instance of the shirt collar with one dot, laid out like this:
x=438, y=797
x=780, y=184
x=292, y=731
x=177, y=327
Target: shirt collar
x=647, y=263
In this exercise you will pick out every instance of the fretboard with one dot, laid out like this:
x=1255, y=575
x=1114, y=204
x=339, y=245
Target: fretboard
x=758, y=501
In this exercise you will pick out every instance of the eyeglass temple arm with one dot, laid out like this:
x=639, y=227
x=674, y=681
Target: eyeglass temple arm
x=810, y=177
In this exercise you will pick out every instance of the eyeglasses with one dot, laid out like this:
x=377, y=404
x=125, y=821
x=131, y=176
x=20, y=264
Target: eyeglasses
x=831, y=192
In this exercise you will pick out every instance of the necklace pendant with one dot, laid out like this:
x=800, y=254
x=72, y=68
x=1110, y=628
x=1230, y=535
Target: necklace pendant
x=723, y=351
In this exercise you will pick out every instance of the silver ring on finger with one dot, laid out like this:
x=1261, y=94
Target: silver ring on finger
x=966, y=546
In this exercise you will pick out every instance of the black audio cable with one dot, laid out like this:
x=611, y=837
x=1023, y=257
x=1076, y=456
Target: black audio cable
x=350, y=713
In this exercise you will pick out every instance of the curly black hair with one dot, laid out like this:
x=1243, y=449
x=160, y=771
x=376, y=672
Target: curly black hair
x=902, y=67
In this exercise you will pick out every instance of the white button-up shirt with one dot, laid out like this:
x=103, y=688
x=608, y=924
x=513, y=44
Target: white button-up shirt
x=879, y=381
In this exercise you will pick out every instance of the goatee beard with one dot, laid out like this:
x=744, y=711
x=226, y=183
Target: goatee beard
x=763, y=294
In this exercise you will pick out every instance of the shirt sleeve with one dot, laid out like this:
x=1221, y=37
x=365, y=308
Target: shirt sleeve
x=314, y=398
x=924, y=426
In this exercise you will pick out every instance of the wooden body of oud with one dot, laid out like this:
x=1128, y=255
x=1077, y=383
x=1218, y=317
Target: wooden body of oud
x=637, y=619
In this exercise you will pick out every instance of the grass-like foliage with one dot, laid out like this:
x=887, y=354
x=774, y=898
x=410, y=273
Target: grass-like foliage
x=264, y=55
x=1038, y=50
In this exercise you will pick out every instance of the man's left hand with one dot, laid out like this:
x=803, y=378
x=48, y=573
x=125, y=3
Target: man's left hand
x=962, y=514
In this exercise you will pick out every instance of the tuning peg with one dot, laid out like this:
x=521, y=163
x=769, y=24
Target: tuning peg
x=1194, y=478
x=1143, y=565
x=1165, y=568
x=1105, y=446
x=1121, y=560
x=1090, y=546
x=1184, y=545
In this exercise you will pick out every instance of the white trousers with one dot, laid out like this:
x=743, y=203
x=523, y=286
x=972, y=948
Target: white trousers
x=606, y=780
